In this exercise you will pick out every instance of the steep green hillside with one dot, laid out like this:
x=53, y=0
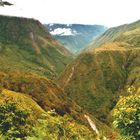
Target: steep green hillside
x=37, y=96
x=43, y=91
x=29, y=57
x=125, y=33
x=21, y=117
x=23, y=101
x=26, y=45
x=98, y=76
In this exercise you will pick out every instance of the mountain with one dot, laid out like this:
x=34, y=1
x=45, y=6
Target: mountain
x=46, y=94
x=75, y=36
x=32, y=105
x=123, y=33
x=26, y=45
x=105, y=70
x=47, y=106
x=18, y=102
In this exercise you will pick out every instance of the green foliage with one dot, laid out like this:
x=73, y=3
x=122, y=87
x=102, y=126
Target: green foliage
x=102, y=71
x=0, y=88
x=128, y=33
x=1, y=81
x=13, y=122
x=127, y=116
x=36, y=126
x=51, y=126
x=96, y=77
x=44, y=91
x=124, y=138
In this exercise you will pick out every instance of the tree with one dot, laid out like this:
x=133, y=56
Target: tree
x=2, y=3
x=127, y=116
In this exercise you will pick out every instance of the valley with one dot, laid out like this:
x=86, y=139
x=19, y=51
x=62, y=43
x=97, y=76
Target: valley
x=49, y=93
x=75, y=37
x=101, y=72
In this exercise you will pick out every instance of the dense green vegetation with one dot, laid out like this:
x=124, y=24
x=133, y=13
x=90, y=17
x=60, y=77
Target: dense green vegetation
x=27, y=50
x=43, y=91
x=21, y=117
x=97, y=77
x=126, y=116
x=33, y=107
x=125, y=33
x=54, y=127
x=13, y=122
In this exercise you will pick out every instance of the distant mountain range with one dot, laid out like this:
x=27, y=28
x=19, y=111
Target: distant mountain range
x=75, y=36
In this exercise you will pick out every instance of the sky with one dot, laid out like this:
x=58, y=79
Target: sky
x=109, y=13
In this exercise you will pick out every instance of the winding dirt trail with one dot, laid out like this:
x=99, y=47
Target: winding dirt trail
x=92, y=124
x=70, y=76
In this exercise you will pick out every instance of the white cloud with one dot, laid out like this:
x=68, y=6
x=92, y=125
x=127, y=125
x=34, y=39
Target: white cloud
x=63, y=32
x=106, y=12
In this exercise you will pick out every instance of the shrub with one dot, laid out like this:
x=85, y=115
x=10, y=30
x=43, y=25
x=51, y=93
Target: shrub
x=127, y=116
x=52, y=126
x=13, y=122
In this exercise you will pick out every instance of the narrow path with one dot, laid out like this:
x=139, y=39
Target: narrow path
x=92, y=124
x=70, y=76
x=94, y=128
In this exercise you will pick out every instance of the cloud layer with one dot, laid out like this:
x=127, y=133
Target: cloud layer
x=106, y=12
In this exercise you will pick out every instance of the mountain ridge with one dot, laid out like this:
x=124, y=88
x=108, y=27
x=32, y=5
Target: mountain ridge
x=33, y=45
x=103, y=71
x=112, y=33
x=55, y=96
